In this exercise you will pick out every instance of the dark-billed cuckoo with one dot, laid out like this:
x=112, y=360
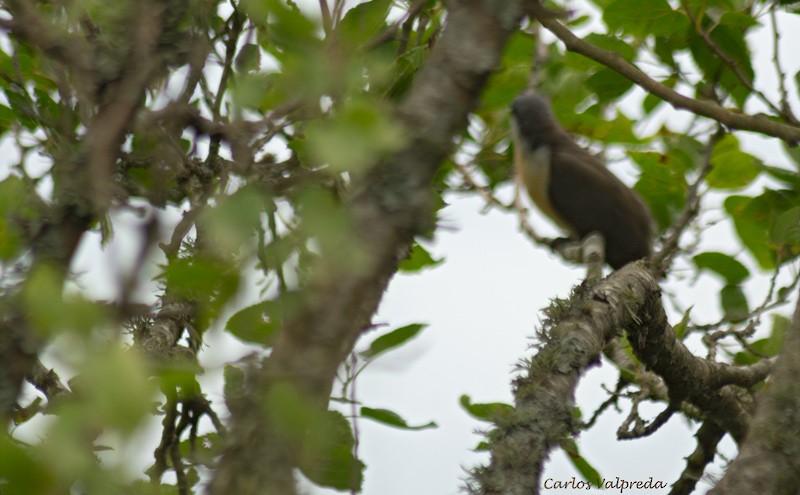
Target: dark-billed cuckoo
x=574, y=188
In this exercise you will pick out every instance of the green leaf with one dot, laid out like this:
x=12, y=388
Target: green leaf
x=731, y=40
x=7, y=119
x=22, y=105
x=327, y=455
x=418, y=259
x=769, y=347
x=203, y=449
x=201, y=280
x=234, y=221
x=780, y=327
x=406, y=68
x=608, y=84
x=234, y=383
x=325, y=219
x=483, y=446
x=259, y=91
x=612, y=44
x=49, y=311
x=289, y=31
x=488, y=411
x=644, y=18
x=755, y=218
x=586, y=470
x=115, y=390
x=785, y=234
x=12, y=194
x=665, y=48
x=392, y=340
x=731, y=167
x=734, y=303
x=248, y=59
x=363, y=22
x=793, y=151
x=788, y=177
x=723, y=265
x=739, y=20
x=681, y=327
x=512, y=78
x=23, y=471
x=797, y=74
x=745, y=358
x=197, y=278
x=594, y=125
x=662, y=184
x=256, y=324
x=360, y=133
x=391, y=418
x=650, y=102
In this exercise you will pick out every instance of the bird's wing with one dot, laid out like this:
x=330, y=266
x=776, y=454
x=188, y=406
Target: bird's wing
x=588, y=197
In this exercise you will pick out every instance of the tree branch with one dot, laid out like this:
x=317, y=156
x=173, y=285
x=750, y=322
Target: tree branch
x=732, y=64
x=708, y=437
x=755, y=123
x=388, y=207
x=574, y=335
x=768, y=461
x=688, y=377
x=58, y=44
x=107, y=130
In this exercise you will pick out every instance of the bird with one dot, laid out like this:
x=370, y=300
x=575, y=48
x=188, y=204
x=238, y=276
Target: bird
x=573, y=187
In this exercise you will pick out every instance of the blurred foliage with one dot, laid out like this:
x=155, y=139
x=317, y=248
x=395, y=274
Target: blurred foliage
x=256, y=125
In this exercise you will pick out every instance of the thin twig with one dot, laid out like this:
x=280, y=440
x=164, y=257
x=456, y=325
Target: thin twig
x=787, y=110
x=235, y=30
x=640, y=428
x=354, y=412
x=327, y=23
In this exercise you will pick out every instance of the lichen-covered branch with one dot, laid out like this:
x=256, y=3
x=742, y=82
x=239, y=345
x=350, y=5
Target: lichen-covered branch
x=706, y=384
x=573, y=338
x=574, y=335
x=769, y=458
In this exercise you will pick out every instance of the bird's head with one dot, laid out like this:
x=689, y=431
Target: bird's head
x=533, y=119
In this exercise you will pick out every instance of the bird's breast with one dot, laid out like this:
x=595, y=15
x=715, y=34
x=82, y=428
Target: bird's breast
x=533, y=168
